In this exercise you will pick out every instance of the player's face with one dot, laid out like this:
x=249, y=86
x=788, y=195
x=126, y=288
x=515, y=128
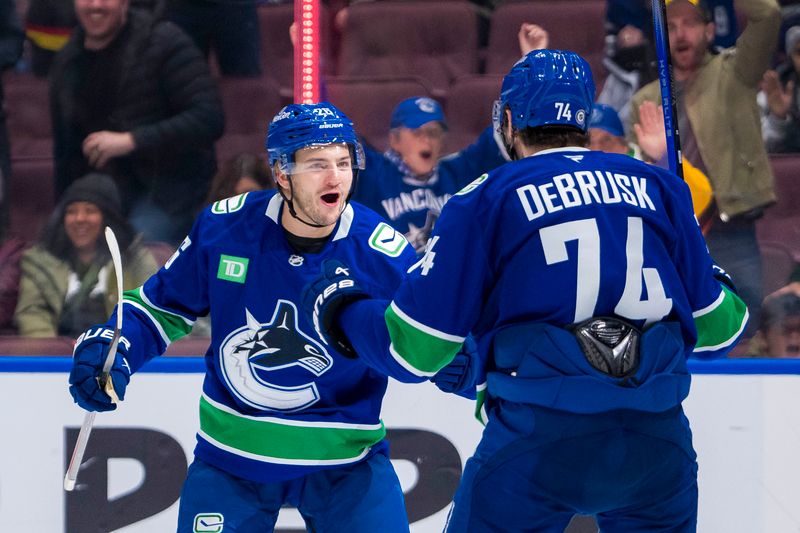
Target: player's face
x=83, y=222
x=321, y=181
x=101, y=20
x=420, y=148
x=783, y=340
x=689, y=35
x=604, y=141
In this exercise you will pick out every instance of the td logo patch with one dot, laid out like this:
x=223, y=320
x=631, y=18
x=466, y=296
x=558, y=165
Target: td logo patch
x=208, y=523
x=232, y=268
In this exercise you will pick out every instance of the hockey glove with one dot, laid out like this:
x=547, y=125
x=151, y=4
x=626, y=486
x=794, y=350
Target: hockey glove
x=325, y=297
x=87, y=365
x=459, y=375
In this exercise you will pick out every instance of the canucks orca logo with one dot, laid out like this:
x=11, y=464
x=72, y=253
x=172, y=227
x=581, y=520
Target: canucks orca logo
x=263, y=363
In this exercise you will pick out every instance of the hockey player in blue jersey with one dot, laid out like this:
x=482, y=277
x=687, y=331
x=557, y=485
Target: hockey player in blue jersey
x=284, y=418
x=586, y=283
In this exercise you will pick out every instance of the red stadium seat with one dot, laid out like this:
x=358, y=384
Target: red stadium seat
x=781, y=222
x=249, y=104
x=32, y=196
x=469, y=108
x=28, y=108
x=52, y=346
x=777, y=266
x=576, y=25
x=437, y=41
x=369, y=102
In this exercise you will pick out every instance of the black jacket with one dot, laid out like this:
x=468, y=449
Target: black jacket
x=165, y=97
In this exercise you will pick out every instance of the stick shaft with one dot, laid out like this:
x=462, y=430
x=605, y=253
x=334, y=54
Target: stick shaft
x=104, y=378
x=668, y=101
x=80, y=448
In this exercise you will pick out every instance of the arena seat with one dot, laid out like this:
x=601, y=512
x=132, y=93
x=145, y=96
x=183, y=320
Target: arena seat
x=28, y=108
x=32, y=196
x=576, y=25
x=469, y=108
x=437, y=41
x=46, y=346
x=249, y=104
x=781, y=222
x=188, y=347
x=369, y=102
x=777, y=266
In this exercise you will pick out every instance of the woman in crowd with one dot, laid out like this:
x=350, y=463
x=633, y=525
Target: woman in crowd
x=67, y=279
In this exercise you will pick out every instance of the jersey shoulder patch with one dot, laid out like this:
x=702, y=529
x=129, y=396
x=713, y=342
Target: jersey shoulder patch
x=229, y=205
x=387, y=240
x=473, y=185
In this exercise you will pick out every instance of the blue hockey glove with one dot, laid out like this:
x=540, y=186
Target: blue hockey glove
x=325, y=297
x=459, y=375
x=87, y=365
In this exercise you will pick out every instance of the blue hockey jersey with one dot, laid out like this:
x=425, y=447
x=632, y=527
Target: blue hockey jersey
x=277, y=402
x=412, y=205
x=555, y=239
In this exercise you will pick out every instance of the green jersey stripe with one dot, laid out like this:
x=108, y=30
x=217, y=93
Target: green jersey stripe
x=170, y=326
x=713, y=305
x=423, y=328
x=417, y=350
x=286, y=442
x=280, y=460
x=480, y=404
x=720, y=324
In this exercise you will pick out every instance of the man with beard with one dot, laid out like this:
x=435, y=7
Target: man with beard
x=285, y=419
x=720, y=130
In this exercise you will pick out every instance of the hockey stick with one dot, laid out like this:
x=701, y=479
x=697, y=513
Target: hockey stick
x=104, y=379
x=668, y=101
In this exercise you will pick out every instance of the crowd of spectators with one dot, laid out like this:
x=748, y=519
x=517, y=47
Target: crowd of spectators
x=135, y=100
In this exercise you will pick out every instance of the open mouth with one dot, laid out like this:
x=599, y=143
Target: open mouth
x=426, y=154
x=331, y=198
x=683, y=48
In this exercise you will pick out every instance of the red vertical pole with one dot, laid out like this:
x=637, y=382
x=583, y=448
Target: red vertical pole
x=306, y=51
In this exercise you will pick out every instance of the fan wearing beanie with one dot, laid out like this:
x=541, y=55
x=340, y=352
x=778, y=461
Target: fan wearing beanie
x=67, y=280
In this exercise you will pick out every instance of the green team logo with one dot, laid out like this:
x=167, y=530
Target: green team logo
x=208, y=523
x=472, y=186
x=232, y=268
x=229, y=205
x=387, y=240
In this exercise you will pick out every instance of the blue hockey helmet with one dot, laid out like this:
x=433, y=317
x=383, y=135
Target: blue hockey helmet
x=299, y=126
x=547, y=87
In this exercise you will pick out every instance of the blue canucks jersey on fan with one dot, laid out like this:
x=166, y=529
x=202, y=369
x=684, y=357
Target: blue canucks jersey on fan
x=559, y=237
x=277, y=403
x=412, y=204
